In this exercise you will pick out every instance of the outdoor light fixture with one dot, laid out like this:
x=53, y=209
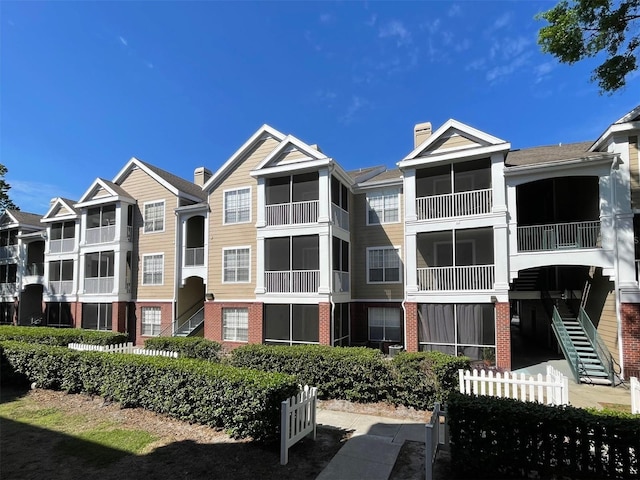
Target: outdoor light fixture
x=210, y=297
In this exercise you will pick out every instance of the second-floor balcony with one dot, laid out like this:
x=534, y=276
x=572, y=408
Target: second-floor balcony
x=62, y=245
x=292, y=281
x=35, y=269
x=9, y=288
x=474, y=202
x=559, y=236
x=100, y=234
x=8, y=251
x=340, y=217
x=456, y=278
x=194, y=257
x=60, y=287
x=98, y=285
x=294, y=213
x=340, y=281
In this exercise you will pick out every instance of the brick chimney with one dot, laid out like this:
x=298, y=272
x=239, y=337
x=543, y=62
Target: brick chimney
x=201, y=175
x=421, y=132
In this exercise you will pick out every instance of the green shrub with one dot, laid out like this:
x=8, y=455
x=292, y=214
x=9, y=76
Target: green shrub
x=505, y=438
x=423, y=378
x=60, y=336
x=246, y=403
x=351, y=373
x=190, y=347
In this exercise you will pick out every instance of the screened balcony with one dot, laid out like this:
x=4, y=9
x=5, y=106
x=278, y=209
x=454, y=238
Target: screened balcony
x=340, y=264
x=292, y=264
x=61, y=277
x=459, y=260
x=455, y=190
x=101, y=225
x=292, y=200
x=8, y=244
x=339, y=204
x=194, y=242
x=99, y=272
x=62, y=237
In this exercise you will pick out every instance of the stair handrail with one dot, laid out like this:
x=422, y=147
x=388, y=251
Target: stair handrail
x=195, y=320
x=585, y=294
x=567, y=346
x=180, y=321
x=604, y=355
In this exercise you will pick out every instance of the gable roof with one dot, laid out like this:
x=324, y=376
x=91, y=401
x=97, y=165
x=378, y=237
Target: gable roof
x=113, y=190
x=61, y=202
x=177, y=185
x=297, y=144
x=548, y=153
x=629, y=121
x=23, y=218
x=263, y=131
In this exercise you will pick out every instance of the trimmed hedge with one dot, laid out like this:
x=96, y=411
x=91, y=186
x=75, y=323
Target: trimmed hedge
x=60, y=336
x=360, y=374
x=506, y=438
x=190, y=347
x=246, y=403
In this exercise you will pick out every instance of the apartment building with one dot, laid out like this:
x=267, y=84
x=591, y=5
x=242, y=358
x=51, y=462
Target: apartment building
x=468, y=247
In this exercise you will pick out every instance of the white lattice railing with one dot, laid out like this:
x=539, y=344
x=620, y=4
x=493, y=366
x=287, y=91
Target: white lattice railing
x=470, y=277
x=559, y=236
x=60, y=287
x=98, y=285
x=457, y=204
x=298, y=281
x=194, y=257
x=292, y=213
x=340, y=281
x=340, y=217
x=100, y=234
x=62, y=245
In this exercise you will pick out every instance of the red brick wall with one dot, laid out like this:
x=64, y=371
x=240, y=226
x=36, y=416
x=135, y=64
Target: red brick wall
x=76, y=314
x=213, y=322
x=411, y=320
x=119, y=317
x=324, y=323
x=166, y=313
x=630, y=313
x=503, y=335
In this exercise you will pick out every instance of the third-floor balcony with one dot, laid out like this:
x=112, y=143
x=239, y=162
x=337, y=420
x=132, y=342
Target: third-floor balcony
x=292, y=281
x=60, y=287
x=340, y=217
x=559, y=236
x=293, y=213
x=474, y=202
x=194, y=257
x=62, y=245
x=100, y=234
x=9, y=251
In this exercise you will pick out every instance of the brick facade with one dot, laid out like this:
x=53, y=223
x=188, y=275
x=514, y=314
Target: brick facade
x=119, y=317
x=411, y=322
x=503, y=335
x=630, y=313
x=213, y=322
x=324, y=323
x=166, y=315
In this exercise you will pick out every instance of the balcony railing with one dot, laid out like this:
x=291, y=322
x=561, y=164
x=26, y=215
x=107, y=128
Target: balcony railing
x=295, y=281
x=10, y=251
x=8, y=289
x=98, y=285
x=340, y=217
x=194, y=257
x=101, y=234
x=60, y=287
x=129, y=233
x=35, y=269
x=457, y=204
x=469, y=277
x=62, y=245
x=292, y=213
x=637, y=269
x=559, y=236
x=340, y=281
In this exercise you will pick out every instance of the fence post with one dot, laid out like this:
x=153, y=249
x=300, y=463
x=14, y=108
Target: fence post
x=284, y=431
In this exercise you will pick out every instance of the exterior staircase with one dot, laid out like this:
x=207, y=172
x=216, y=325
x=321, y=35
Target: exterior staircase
x=190, y=326
x=527, y=280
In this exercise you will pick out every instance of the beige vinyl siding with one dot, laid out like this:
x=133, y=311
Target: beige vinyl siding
x=455, y=141
x=601, y=308
x=365, y=236
x=145, y=189
x=635, y=171
x=608, y=325
x=100, y=193
x=235, y=235
x=62, y=211
x=291, y=156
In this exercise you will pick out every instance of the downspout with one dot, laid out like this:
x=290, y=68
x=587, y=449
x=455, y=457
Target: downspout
x=177, y=267
x=404, y=271
x=331, y=301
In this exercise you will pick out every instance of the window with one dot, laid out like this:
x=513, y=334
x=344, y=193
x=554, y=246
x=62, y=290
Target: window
x=96, y=316
x=291, y=324
x=154, y=217
x=237, y=206
x=59, y=314
x=152, y=269
x=385, y=324
x=236, y=265
x=383, y=265
x=235, y=324
x=383, y=207
x=151, y=321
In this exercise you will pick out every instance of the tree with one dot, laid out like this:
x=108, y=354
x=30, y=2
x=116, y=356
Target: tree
x=5, y=201
x=584, y=28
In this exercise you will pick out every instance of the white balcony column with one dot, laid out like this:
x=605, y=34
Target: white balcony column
x=409, y=179
x=607, y=209
x=513, y=221
x=119, y=272
x=324, y=187
x=182, y=243
x=83, y=228
x=120, y=232
x=325, y=262
x=497, y=183
x=411, y=262
x=501, y=257
x=261, y=203
x=80, y=277
x=76, y=235
x=260, y=289
x=45, y=274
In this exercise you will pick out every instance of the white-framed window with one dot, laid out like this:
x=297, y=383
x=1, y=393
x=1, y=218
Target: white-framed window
x=151, y=321
x=154, y=217
x=383, y=265
x=385, y=324
x=152, y=269
x=237, y=206
x=383, y=206
x=235, y=324
x=236, y=265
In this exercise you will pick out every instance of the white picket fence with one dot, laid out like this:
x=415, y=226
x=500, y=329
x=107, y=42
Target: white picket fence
x=297, y=420
x=550, y=389
x=635, y=395
x=122, y=348
x=436, y=435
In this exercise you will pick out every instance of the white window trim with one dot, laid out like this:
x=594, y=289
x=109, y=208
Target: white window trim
x=144, y=219
x=400, y=269
x=142, y=322
x=385, y=192
x=235, y=339
x=384, y=327
x=142, y=270
x=242, y=247
x=224, y=205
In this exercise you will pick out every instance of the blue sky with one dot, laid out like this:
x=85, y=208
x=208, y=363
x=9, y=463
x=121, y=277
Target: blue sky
x=87, y=85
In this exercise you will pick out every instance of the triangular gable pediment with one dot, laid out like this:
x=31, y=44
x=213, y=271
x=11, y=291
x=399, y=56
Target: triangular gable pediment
x=7, y=219
x=98, y=190
x=292, y=152
x=632, y=116
x=59, y=208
